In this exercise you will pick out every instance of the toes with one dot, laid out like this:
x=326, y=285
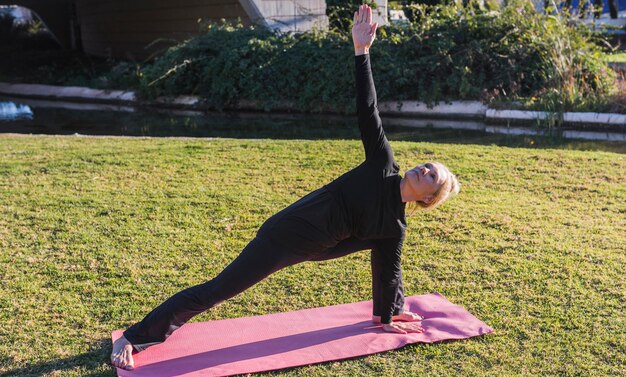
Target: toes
x=131, y=363
x=123, y=359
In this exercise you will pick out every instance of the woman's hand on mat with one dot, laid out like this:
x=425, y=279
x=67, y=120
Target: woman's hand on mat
x=404, y=316
x=363, y=30
x=403, y=327
x=408, y=317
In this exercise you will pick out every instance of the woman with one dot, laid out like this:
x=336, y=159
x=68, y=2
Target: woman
x=362, y=209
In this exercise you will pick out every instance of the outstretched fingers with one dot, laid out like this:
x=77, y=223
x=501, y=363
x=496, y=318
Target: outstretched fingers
x=363, y=29
x=412, y=327
x=408, y=317
x=395, y=329
x=364, y=14
x=374, y=27
x=403, y=327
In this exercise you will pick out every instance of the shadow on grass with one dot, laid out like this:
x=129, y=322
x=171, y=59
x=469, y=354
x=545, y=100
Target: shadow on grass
x=91, y=364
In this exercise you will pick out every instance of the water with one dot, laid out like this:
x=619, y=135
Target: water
x=48, y=117
x=12, y=111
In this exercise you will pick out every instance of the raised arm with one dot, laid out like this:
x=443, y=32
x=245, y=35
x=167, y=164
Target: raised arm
x=372, y=133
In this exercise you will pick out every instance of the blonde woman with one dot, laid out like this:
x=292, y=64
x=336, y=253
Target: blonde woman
x=364, y=209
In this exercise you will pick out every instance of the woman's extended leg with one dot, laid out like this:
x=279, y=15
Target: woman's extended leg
x=259, y=258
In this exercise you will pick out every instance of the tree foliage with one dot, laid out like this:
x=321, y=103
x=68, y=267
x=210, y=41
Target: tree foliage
x=444, y=53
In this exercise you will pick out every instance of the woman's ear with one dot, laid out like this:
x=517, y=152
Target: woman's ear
x=427, y=199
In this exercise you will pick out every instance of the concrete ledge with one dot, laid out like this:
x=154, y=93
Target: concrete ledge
x=519, y=115
x=180, y=101
x=79, y=106
x=604, y=136
x=595, y=118
x=450, y=110
x=459, y=109
x=568, y=118
x=67, y=92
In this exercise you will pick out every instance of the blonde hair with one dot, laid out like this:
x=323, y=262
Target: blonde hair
x=447, y=190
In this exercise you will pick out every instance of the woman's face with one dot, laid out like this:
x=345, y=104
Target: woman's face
x=425, y=180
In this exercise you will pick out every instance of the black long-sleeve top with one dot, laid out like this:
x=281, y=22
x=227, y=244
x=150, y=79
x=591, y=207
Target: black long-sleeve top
x=372, y=190
x=364, y=203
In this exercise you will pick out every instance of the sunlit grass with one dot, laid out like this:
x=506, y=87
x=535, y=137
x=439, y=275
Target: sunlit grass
x=94, y=232
x=619, y=57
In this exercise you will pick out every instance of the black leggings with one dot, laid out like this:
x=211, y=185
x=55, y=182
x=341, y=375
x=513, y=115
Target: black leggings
x=260, y=258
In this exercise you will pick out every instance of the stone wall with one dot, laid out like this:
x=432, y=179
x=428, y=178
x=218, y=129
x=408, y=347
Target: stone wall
x=291, y=15
x=54, y=14
x=123, y=29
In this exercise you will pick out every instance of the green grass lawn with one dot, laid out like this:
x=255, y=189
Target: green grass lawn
x=95, y=232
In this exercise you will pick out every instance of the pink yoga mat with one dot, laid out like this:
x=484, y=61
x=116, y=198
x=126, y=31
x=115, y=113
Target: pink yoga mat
x=283, y=340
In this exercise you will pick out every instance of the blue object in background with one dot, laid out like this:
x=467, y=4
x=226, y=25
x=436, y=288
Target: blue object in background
x=621, y=5
x=11, y=111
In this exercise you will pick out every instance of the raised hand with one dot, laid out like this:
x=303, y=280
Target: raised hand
x=363, y=30
x=403, y=327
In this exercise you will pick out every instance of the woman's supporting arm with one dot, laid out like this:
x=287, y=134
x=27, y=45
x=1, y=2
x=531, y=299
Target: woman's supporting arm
x=376, y=264
x=389, y=274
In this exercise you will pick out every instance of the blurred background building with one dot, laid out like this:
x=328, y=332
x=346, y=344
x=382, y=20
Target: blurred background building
x=123, y=29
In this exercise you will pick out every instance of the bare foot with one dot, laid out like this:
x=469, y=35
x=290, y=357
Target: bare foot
x=122, y=355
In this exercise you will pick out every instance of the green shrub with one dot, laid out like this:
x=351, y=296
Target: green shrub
x=341, y=12
x=231, y=63
x=445, y=53
x=503, y=55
